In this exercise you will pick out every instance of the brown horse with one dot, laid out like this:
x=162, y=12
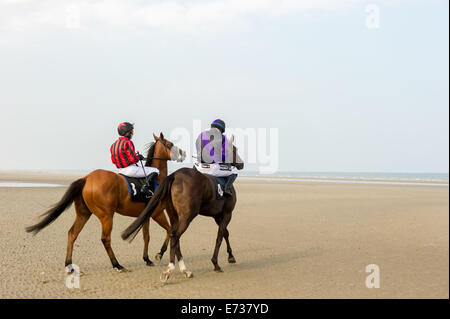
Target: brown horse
x=185, y=194
x=103, y=193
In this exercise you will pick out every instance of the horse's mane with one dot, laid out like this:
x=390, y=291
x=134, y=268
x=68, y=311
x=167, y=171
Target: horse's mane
x=150, y=148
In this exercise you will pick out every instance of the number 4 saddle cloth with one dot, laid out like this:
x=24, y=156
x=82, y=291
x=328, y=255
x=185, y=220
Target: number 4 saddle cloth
x=219, y=185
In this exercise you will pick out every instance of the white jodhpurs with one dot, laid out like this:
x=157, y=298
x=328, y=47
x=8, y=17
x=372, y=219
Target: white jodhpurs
x=216, y=169
x=137, y=171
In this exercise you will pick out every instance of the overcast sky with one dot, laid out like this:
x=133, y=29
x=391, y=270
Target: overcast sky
x=346, y=90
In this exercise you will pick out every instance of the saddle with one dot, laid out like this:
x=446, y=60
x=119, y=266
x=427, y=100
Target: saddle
x=135, y=186
x=219, y=183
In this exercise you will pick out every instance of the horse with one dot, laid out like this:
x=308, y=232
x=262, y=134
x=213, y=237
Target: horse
x=103, y=193
x=185, y=194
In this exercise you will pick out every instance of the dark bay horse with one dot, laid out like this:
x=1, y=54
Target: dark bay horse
x=103, y=193
x=185, y=194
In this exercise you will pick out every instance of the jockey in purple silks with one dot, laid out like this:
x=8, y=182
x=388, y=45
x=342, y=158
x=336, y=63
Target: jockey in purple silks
x=212, y=155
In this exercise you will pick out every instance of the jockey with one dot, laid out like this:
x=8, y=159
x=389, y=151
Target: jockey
x=126, y=160
x=211, y=155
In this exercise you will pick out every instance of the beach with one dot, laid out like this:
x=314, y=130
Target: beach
x=291, y=240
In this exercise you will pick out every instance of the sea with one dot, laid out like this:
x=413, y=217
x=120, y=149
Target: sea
x=391, y=178
x=400, y=178
x=357, y=175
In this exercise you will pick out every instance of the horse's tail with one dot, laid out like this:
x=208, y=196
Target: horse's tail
x=73, y=192
x=161, y=193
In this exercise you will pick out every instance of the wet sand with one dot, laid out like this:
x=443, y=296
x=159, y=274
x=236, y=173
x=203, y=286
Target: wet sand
x=290, y=240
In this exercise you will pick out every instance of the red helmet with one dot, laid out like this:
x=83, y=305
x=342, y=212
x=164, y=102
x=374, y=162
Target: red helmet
x=124, y=128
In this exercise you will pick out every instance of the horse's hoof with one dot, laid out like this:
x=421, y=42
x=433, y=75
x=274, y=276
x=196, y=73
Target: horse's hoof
x=231, y=260
x=188, y=274
x=148, y=262
x=164, y=277
x=218, y=269
x=158, y=257
x=121, y=269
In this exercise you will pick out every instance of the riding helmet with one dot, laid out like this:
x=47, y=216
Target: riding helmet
x=219, y=124
x=124, y=128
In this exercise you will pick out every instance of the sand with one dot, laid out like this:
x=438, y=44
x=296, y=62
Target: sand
x=290, y=240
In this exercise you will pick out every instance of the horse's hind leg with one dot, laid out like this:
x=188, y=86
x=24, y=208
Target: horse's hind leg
x=82, y=216
x=181, y=263
x=175, y=249
x=146, y=233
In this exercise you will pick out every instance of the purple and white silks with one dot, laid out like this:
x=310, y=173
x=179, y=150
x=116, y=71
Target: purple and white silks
x=210, y=149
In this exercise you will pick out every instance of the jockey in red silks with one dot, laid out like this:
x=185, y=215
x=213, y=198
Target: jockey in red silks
x=123, y=155
x=212, y=155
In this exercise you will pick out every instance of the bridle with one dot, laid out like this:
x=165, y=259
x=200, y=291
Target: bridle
x=161, y=158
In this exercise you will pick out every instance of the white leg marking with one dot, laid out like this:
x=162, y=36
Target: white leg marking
x=166, y=274
x=182, y=265
x=184, y=270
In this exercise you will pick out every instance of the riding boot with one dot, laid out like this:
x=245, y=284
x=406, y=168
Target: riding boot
x=227, y=189
x=146, y=188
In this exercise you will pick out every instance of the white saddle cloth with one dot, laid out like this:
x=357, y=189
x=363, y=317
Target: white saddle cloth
x=216, y=170
x=137, y=171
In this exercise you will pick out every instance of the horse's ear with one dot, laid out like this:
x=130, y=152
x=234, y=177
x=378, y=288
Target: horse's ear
x=232, y=139
x=155, y=137
x=161, y=135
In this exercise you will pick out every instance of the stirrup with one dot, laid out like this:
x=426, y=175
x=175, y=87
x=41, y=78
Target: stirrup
x=147, y=191
x=227, y=188
x=227, y=193
x=146, y=187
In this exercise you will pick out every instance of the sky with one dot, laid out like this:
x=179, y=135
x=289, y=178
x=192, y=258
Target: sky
x=350, y=86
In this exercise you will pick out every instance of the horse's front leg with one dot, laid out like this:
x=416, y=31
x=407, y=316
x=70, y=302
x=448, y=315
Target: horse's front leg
x=107, y=223
x=223, y=222
x=231, y=258
x=146, y=234
x=161, y=219
x=216, y=251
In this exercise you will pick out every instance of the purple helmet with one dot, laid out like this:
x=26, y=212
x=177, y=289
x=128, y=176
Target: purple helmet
x=219, y=124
